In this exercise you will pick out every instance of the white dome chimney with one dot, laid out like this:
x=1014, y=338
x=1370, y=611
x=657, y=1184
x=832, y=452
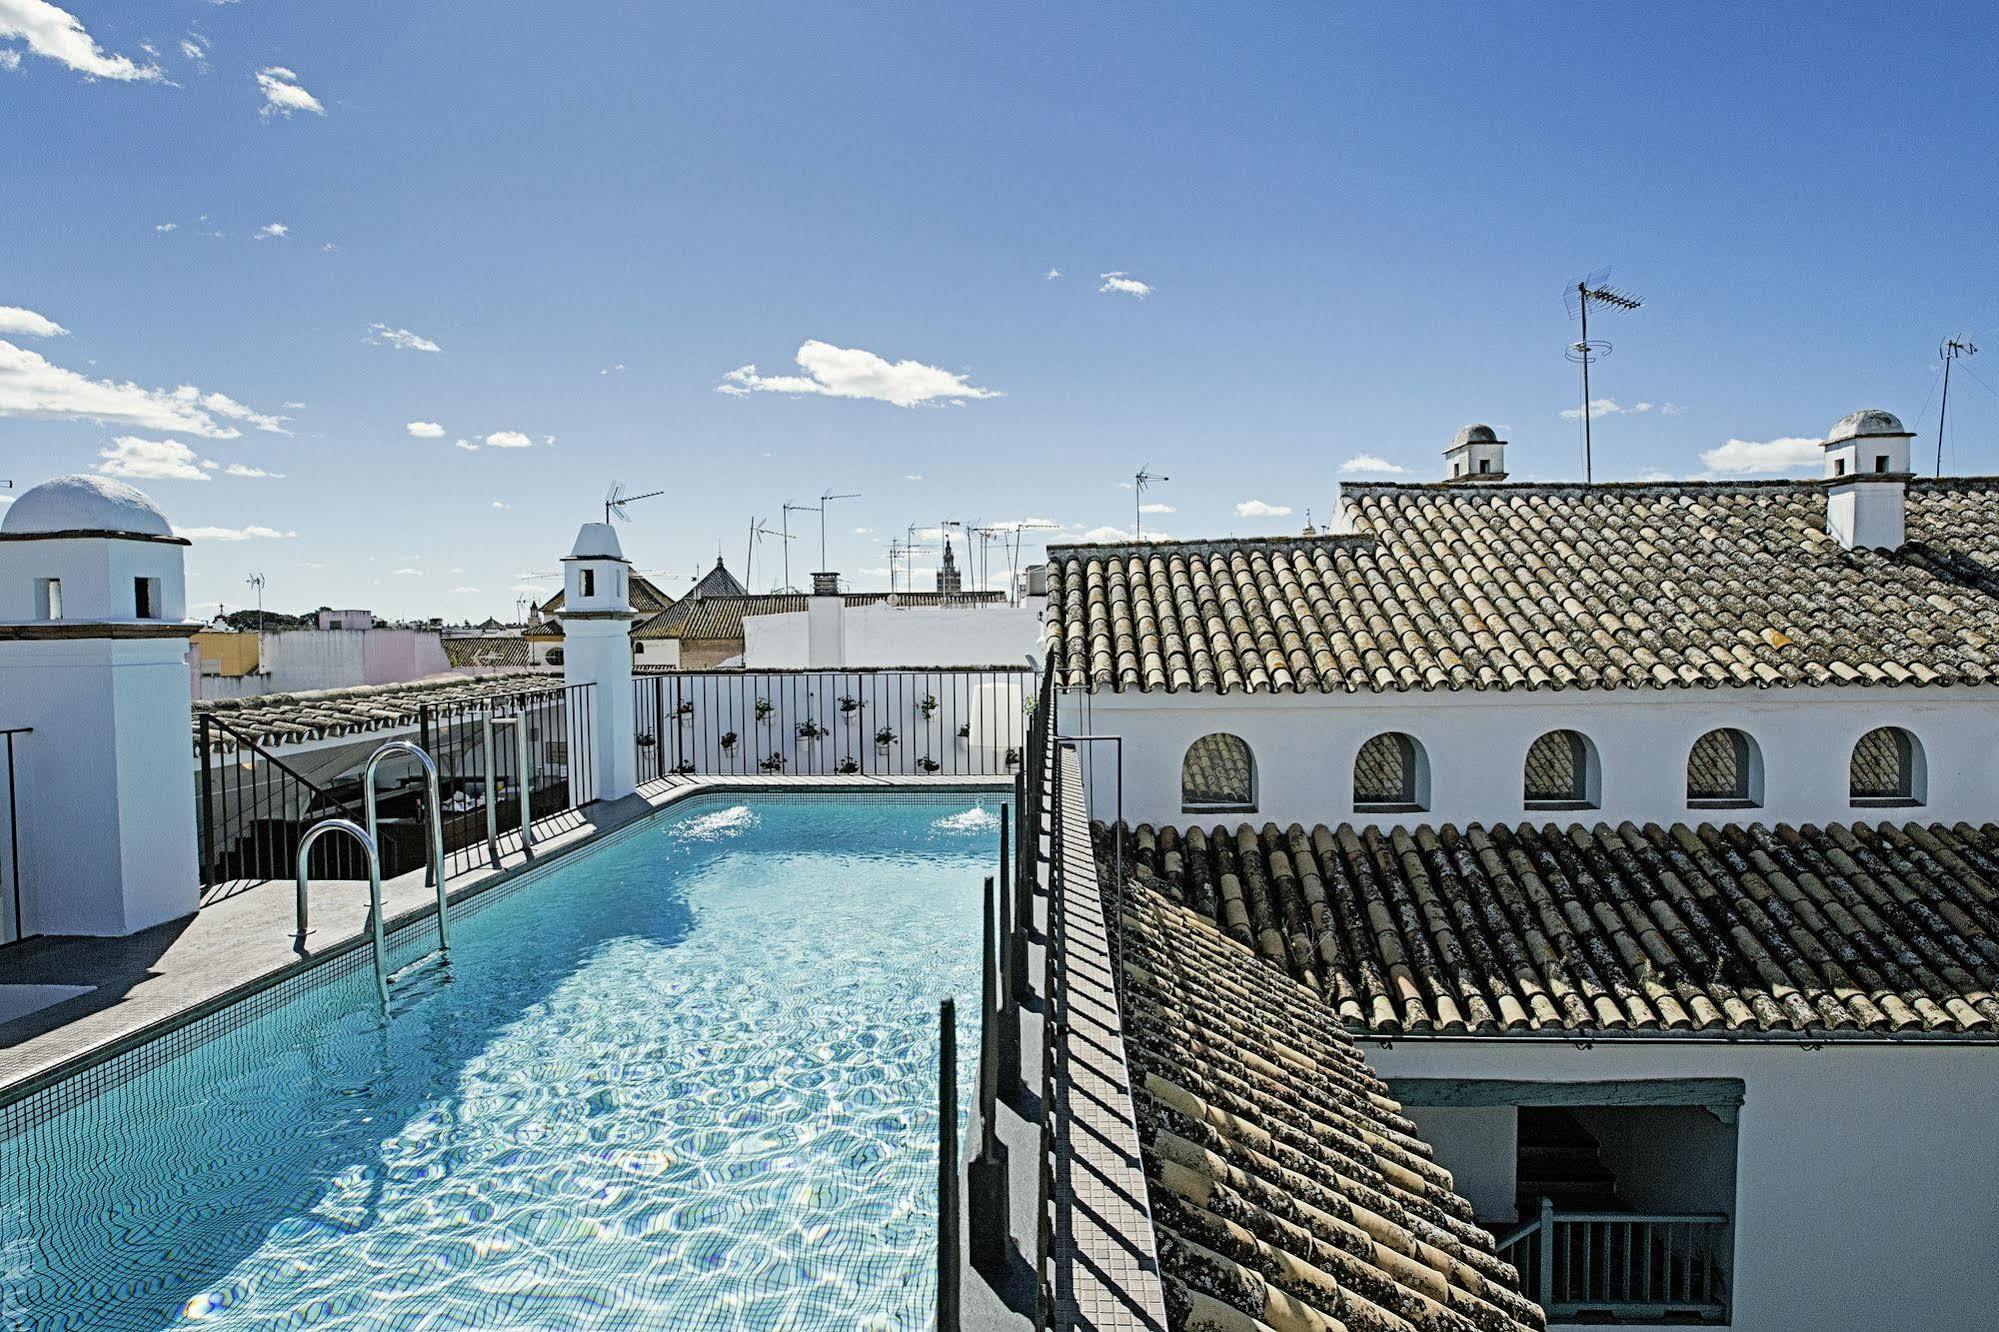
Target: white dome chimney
x=1476, y=454
x=1867, y=468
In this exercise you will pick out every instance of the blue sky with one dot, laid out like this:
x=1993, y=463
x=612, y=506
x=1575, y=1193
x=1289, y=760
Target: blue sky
x=1341, y=232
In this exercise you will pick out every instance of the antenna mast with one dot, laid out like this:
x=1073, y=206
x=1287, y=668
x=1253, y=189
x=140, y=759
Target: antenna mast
x=1952, y=349
x=615, y=500
x=1139, y=482
x=1593, y=289
x=789, y=509
x=823, y=501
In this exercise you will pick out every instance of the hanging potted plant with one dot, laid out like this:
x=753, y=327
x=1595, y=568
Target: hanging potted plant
x=848, y=766
x=684, y=767
x=809, y=731
x=775, y=763
x=685, y=711
x=646, y=741
x=728, y=742
x=764, y=709
x=928, y=764
x=1013, y=758
x=927, y=705
x=884, y=738
x=850, y=707
x=964, y=735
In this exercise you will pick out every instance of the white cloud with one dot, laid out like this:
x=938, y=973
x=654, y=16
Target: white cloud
x=409, y=573
x=498, y=504
x=1157, y=508
x=508, y=439
x=460, y=591
x=466, y=445
x=251, y=533
x=617, y=369
x=548, y=440
x=14, y=319
x=33, y=388
x=1370, y=463
x=425, y=429
x=864, y=531
x=272, y=231
x=10, y=59
x=912, y=476
x=224, y=405
x=164, y=227
x=1609, y=407
x=1742, y=457
x=282, y=93
x=137, y=459
x=328, y=248
x=1051, y=275
x=1107, y=534
x=58, y=35
x=1124, y=284
x=842, y=372
x=400, y=338
x=241, y=469
x=1258, y=509
x=194, y=49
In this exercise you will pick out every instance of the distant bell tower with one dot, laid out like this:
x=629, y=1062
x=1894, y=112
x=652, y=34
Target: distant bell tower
x=93, y=657
x=947, y=577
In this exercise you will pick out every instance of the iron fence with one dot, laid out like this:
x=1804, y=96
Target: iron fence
x=254, y=808
x=11, y=922
x=947, y=721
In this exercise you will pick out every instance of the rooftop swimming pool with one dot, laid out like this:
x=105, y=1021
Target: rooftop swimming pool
x=684, y=1080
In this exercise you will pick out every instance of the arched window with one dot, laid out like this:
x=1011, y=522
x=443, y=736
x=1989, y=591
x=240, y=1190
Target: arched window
x=1219, y=773
x=1561, y=772
x=554, y=657
x=1887, y=768
x=1391, y=775
x=1724, y=771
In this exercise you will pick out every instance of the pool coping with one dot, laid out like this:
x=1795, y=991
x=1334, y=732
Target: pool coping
x=94, y=1038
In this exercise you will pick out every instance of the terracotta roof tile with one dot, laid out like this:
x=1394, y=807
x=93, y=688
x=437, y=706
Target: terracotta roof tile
x=1714, y=930
x=1545, y=587
x=1287, y=1189
x=283, y=719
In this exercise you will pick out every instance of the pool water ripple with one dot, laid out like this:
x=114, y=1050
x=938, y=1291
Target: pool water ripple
x=685, y=1082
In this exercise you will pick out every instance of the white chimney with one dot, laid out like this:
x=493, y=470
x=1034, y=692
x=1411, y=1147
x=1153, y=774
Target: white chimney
x=1867, y=475
x=1476, y=454
x=597, y=651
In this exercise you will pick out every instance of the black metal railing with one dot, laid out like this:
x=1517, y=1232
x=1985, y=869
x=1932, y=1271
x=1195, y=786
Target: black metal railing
x=11, y=922
x=254, y=807
x=945, y=721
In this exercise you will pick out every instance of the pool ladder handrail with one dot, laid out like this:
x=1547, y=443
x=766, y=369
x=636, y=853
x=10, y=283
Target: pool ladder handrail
x=359, y=834
x=436, y=810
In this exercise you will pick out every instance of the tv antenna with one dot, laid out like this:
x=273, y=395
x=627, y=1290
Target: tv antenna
x=824, y=500
x=256, y=582
x=789, y=509
x=757, y=532
x=1139, y=482
x=615, y=500
x=1952, y=349
x=1588, y=291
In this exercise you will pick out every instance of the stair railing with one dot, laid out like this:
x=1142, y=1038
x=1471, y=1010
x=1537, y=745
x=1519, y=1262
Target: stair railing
x=435, y=806
x=1633, y=1266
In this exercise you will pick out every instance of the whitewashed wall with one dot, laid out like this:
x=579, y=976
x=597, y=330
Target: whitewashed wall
x=1476, y=745
x=301, y=659
x=883, y=635
x=1867, y=1189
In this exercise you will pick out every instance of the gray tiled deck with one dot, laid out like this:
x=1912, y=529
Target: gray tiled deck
x=239, y=943
x=1106, y=1272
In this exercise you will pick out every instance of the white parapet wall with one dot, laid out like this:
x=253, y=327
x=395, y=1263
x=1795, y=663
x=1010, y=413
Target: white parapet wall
x=1474, y=745
x=880, y=634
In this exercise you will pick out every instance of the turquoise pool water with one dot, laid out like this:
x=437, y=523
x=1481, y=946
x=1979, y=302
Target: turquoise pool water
x=684, y=1081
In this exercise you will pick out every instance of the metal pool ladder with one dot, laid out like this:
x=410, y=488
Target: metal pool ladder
x=359, y=834
x=436, y=810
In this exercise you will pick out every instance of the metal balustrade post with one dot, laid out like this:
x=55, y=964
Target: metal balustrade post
x=208, y=865
x=492, y=792
x=948, y=1274
x=526, y=788
x=986, y=1177
x=1546, y=1282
